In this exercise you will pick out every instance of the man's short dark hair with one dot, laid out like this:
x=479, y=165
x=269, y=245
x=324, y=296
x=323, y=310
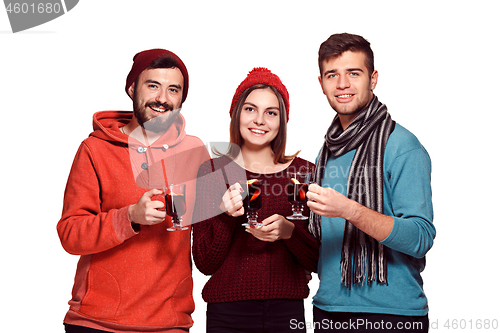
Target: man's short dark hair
x=337, y=44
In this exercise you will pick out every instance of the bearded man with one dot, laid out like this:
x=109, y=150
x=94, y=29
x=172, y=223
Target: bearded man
x=133, y=275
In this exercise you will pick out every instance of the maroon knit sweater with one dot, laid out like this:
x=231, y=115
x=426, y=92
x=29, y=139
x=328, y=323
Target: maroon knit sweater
x=243, y=267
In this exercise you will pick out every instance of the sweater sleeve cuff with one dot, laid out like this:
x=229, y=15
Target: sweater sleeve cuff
x=122, y=225
x=393, y=232
x=300, y=238
x=295, y=239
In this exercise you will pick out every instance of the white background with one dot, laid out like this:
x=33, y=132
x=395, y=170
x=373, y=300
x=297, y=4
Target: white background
x=439, y=76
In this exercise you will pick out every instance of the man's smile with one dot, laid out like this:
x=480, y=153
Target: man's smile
x=344, y=97
x=158, y=108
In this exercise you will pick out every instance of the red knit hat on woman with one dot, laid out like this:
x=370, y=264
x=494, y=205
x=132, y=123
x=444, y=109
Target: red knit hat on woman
x=261, y=75
x=143, y=60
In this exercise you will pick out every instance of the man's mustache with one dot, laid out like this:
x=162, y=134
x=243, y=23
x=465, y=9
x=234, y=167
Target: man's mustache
x=166, y=106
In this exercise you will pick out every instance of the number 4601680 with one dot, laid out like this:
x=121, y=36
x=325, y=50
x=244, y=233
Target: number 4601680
x=485, y=324
x=40, y=8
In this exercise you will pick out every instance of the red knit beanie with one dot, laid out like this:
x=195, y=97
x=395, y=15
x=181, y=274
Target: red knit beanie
x=143, y=60
x=261, y=75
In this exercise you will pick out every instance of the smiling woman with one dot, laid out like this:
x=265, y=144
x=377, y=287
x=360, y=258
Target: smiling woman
x=278, y=144
x=250, y=266
x=259, y=120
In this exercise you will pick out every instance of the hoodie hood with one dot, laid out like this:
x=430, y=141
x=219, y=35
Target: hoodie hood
x=107, y=126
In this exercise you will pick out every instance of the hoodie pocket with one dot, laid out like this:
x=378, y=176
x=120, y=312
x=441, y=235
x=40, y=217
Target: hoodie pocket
x=103, y=295
x=182, y=302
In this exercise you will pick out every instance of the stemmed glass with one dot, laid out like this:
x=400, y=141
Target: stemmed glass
x=252, y=201
x=297, y=189
x=175, y=201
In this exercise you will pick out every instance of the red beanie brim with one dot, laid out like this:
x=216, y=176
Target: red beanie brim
x=143, y=60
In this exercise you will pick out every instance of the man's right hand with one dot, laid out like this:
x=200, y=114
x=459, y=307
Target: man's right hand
x=146, y=211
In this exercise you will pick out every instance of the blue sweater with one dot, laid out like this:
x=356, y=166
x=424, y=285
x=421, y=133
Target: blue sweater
x=407, y=198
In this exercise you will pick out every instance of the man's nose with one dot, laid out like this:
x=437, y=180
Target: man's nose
x=343, y=82
x=162, y=96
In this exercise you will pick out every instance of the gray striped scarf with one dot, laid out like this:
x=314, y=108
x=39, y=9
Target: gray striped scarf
x=368, y=133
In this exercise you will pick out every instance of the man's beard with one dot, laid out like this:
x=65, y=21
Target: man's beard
x=158, y=124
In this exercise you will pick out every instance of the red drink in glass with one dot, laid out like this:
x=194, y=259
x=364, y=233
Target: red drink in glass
x=252, y=201
x=176, y=204
x=296, y=190
x=175, y=201
x=297, y=193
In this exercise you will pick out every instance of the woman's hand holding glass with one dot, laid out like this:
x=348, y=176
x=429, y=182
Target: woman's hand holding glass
x=232, y=201
x=274, y=228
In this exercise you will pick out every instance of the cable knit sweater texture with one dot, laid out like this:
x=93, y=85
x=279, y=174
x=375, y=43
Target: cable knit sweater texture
x=241, y=266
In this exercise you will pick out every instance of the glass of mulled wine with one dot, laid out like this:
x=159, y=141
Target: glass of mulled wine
x=296, y=190
x=252, y=201
x=175, y=201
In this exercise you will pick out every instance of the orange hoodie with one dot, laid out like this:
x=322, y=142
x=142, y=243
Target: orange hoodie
x=127, y=280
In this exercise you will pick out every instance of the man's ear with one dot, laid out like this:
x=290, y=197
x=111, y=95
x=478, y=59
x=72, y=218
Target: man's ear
x=130, y=90
x=321, y=84
x=373, y=80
